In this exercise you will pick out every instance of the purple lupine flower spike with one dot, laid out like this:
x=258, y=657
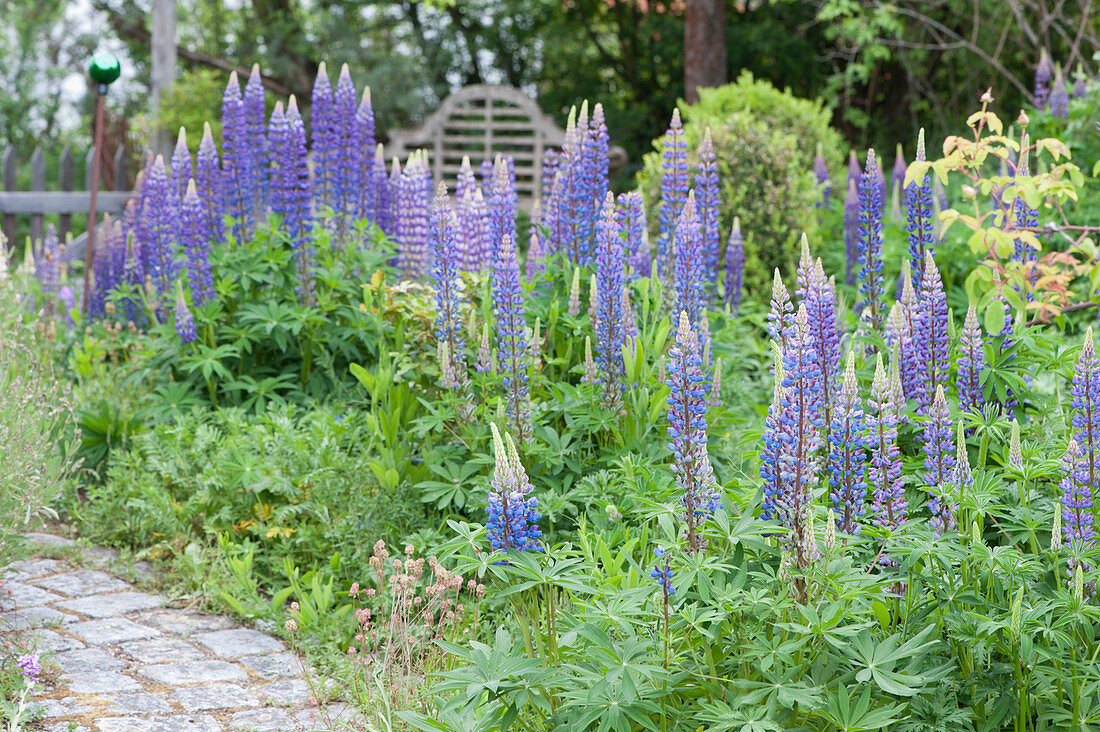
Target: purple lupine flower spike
x=161, y=213
x=208, y=180
x=847, y=456
x=502, y=200
x=706, y=183
x=290, y=193
x=450, y=302
x=931, y=323
x=1059, y=97
x=1080, y=83
x=735, y=266
x=919, y=215
x=535, y=261
x=772, y=438
x=884, y=472
x=323, y=138
x=185, y=324
x=1025, y=217
x=910, y=345
x=48, y=266
x=687, y=431
x=1085, y=391
x=824, y=327
x=689, y=264
x=632, y=220
x=196, y=244
x=607, y=310
x=821, y=173
x=346, y=183
x=674, y=191
x=800, y=425
x=511, y=327
x=1077, y=498
x=181, y=168
x=854, y=171
x=380, y=192
x=235, y=178
x=255, y=113
x=971, y=363
x=1044, y=73
x=939, y=462
x=851, y=234
x=512, y=515
x=870, y=242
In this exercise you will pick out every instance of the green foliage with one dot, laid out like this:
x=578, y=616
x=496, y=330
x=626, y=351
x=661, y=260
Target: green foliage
x=195, y=98
x=765, y=140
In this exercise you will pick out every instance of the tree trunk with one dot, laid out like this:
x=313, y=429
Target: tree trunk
x=705, y=63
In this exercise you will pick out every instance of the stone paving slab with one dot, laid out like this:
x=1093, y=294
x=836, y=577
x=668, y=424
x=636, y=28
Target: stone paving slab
x=128, y=662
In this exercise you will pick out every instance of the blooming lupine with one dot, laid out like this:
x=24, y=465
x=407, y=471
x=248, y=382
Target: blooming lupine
x=918, y=219
x=572, y=210
x=208, y=181
x=1023, y=215
x=1085, y=391
x=180, y=167
x=687, y=431
x=707, y=205
x=161, y=214
x=772, y=440
x=690, y=266
x=632, y=220
x=939, y=462
x=512, y=513
x=1080, y=83
x=674, y=191
x=324, y=138
x=781, y=316
x=449, y=300
x=513, y=357
x=196, y=245
x=821, y=173
x=235, y=176
x=1077, y=497
x=364, y=145
x=607, y=313
x=502, y=200
x=735, y=266
x=799, y=424
x=1044, y=73
x=474, y=227
x=255, y=111
x=971, y=362
x=932, y=323
x=414, y=197
x=185, y=324
x=884, y=472
x=847, y=456
x=290, y=194
x=870, y=242
x=597, y=157
x=349, y=165
x=1059, y=97
x=897, y=178
x=534, y=262
x=662, y=572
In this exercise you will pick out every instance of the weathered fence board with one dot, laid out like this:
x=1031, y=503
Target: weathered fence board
x=36, y=203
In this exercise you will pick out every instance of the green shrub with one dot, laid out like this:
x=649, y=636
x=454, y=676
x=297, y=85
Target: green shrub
x=766, y=140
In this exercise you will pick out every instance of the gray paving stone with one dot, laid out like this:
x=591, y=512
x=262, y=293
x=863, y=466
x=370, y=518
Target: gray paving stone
x=98, y=556
x=194, y=672
x=176, y=723
x=215, y=696
x=36, y=617
x=15, y=595
x=38, y=567
x=137, y=704
x=86, y=660
x=239, y=642
x=118, y=603
x=82, y=582
x=162, y=650
x=15, y=575
x=47, y=640
x=111, y=630
x=282, y=693
x=52, y=708
x=99, y=682
x=38, y=537
x=262, y=720
x=273, y=665
x=184, y=622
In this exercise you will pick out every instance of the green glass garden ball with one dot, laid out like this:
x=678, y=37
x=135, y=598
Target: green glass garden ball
x=104, y=68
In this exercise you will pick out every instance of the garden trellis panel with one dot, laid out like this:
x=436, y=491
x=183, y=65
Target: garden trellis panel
x=37, y=202
x=479, y=122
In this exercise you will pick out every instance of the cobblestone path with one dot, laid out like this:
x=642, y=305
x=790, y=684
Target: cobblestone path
x=128, y=663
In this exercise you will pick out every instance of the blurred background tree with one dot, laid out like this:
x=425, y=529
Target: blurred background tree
x=884, y=69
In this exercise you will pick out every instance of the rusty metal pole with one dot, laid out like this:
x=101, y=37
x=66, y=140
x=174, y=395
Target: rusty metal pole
x=104, y=70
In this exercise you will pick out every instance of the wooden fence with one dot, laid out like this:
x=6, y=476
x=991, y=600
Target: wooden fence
x=62, y=201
